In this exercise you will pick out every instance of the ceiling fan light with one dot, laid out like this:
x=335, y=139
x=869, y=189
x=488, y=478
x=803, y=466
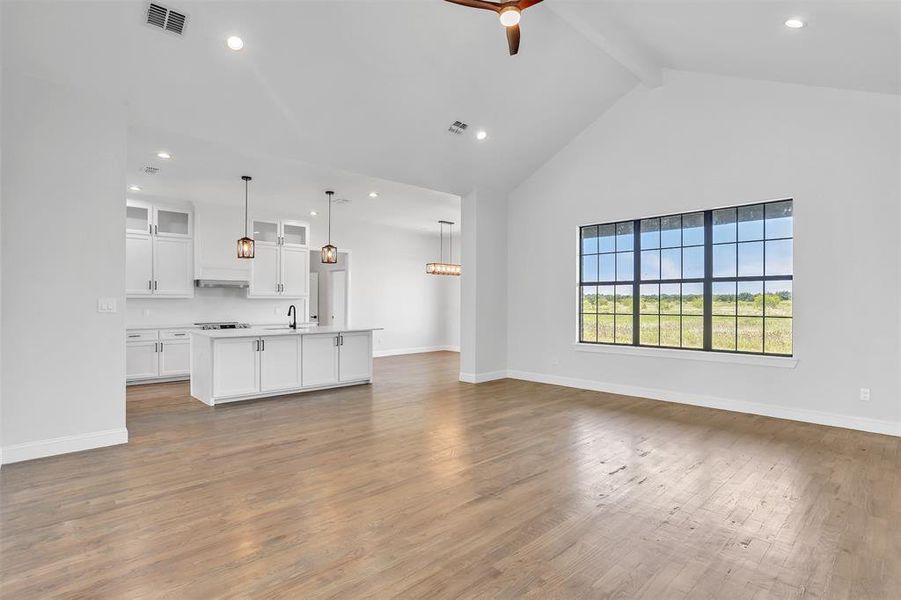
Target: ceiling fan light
x=509, y=16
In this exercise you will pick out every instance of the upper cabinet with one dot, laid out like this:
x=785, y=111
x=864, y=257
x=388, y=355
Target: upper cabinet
x=281, y=264
x=159, y=251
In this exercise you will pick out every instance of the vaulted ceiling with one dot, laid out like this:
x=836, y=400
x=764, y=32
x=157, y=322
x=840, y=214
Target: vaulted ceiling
x=371, y=86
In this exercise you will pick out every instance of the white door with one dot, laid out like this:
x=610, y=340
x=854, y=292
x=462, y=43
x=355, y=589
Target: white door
x=355, y=356
x=295, y=272
x=174, y=267
x=171, y=222
x=279, y=363
x=138, y=264
x=264, y=275
x=141, y=360
x=338, y=286
x=138, y=217
x=320, y=359
x=175, y=358
x=236, y=367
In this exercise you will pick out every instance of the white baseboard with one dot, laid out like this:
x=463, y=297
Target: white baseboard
x=482, y=377
x=399, y=351
x=63, y=445
x=742, y=406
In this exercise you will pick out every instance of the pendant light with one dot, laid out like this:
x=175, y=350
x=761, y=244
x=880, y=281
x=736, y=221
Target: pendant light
x=245, y=244
x=329, y=252
x=444, y=268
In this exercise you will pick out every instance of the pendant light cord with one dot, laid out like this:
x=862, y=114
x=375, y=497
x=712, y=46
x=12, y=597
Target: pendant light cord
x=246, y=181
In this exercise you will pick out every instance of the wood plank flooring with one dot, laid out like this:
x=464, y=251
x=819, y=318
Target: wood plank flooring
x=419, y=486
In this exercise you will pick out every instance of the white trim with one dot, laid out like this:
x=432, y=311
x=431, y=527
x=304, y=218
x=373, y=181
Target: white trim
x=64, y=445
x=420, y=350
x=482, y=377
x=742, y=406
x=784, y=362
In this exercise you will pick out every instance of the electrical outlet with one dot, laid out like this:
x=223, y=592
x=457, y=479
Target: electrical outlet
x=864, y=394
x=106, y=305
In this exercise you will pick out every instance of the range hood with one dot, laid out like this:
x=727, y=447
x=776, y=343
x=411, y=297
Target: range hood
x=212, y=277
x=221, y=283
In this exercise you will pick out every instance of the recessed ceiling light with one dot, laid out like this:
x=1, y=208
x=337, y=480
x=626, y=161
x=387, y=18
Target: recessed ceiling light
x=313, y=213
x=481, y=135
x=373, y=194
x=135, y=188
x=235, y=43
x=163, y=154
x=795, y=23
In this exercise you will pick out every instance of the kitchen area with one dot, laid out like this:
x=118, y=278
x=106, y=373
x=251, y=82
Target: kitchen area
x=174, y=255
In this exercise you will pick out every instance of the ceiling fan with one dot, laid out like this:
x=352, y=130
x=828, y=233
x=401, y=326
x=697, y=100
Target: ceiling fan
x=509, y=14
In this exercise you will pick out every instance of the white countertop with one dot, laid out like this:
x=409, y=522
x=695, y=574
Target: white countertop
x=258, y=331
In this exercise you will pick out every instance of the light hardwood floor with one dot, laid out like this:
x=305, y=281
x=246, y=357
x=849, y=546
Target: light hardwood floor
x=423, y=487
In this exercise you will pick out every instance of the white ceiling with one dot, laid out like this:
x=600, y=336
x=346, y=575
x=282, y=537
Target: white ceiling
x=370, y=87
x=210, y=172
x=854, y=44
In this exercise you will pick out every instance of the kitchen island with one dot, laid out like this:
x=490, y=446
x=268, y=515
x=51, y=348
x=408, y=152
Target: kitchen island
x=229, y=365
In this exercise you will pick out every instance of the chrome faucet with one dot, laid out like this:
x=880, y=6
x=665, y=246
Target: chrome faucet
x=292, y=312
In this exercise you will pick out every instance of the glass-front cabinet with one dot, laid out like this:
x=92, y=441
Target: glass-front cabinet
x=281, y=267
x=159, y=250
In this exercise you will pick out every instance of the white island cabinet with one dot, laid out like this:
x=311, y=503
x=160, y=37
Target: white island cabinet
x=242, y=364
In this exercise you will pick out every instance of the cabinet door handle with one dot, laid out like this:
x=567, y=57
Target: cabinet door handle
x=257, y=349
x=262, y=345
x=336, y=340
x=156, y=347
x=150, y=284
x=161, y=346
x=156, y=230
x=155, y=284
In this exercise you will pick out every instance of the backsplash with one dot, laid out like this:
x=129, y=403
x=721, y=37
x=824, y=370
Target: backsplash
x=209, y=304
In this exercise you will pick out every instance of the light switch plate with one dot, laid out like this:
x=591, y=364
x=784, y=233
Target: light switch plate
x=106, y=305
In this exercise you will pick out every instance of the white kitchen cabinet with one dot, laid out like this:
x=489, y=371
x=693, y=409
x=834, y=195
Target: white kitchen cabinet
x=295, y=272
x=354, y=356
x=320, y=360
x=281, y=263
x=236, y=367
x=138, y=264
x=154, y=355
x=159, y=251
x=264, y=272
x=174, y=267
x=279, y=363
x=175, y=358
x=141, y=360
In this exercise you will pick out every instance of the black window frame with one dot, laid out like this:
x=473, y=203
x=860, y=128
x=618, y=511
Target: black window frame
x=707, y=281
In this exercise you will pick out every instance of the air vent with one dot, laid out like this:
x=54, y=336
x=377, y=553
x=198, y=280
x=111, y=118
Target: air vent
x=151, y=170
x=166, y=19
x=457, y=127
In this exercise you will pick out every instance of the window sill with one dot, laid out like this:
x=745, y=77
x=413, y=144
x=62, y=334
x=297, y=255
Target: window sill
x=783, y=362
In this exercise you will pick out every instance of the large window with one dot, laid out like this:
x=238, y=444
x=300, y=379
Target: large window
x=718, y=280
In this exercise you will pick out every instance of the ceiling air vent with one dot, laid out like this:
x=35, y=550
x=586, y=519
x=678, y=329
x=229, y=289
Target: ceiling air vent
x=166, y=19
x=457, y=127
x=151, y=170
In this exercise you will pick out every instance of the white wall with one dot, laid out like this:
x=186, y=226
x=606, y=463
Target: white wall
x=704, y=141
x=388, y=284
x=62, y=248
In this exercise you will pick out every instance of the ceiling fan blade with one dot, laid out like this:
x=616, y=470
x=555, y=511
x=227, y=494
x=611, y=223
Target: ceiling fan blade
x=513, y=39
x=524, y=4
x=478, y=4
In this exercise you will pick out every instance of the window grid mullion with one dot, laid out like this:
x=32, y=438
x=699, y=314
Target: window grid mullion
x=708, y=280
x=636, y=279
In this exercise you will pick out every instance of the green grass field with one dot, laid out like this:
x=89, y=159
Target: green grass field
x=676, y=320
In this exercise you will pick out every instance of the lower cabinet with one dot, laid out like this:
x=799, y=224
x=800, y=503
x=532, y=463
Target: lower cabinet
x=152, y=354
x=249, y=366
x=336, y=358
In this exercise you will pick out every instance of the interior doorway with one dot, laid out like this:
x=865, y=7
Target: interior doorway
x=330, y=291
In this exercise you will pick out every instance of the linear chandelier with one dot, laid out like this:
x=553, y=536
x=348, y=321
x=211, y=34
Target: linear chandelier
x=441, y=267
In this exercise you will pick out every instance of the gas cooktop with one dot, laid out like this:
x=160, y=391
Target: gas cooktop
x=222, y=325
